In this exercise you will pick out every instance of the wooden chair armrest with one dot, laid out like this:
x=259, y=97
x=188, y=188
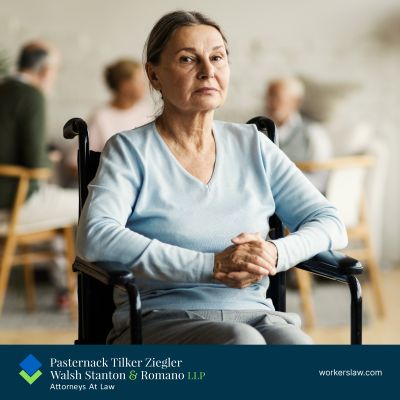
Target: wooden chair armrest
x=15, y=171
x=39, y=173
x=336, y=163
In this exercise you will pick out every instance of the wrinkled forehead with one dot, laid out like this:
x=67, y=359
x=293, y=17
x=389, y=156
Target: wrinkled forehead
x=195, y=38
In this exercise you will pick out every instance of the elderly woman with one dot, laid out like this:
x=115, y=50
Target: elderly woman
x=180, y=201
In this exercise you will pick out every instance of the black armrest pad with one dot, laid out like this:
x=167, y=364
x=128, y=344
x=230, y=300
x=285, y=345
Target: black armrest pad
x=108, y=272
x=332, y=264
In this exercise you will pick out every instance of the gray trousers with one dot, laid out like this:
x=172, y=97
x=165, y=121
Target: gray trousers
x=217, y=327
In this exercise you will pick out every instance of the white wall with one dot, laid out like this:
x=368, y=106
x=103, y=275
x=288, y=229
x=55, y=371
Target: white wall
x=331, y=41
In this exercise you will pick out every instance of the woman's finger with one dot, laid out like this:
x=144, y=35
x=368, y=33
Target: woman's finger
x=256, y=263
x=264, y=253
x=266, y=250
x=242, y=275
x=219, y=276
x=240, y=280
x=247, y=237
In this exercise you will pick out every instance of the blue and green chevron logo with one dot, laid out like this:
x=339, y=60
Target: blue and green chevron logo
x=30, y=369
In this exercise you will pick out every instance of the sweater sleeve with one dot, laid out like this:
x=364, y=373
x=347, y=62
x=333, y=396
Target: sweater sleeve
x=32, y=129
x=315, y=225
x=102, y=232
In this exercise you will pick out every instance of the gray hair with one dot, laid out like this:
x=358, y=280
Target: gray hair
x=33, y=58
x=36, y=55
x=293, y=84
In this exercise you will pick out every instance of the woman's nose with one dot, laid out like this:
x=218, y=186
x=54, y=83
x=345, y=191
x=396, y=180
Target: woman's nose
x=207, y=70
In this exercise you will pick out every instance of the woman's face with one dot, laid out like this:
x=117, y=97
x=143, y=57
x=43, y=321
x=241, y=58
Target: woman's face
x=193, y=74
x=134, y=88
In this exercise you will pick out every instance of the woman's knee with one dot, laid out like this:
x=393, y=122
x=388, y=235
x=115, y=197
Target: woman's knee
x=286, y=334
x=238, y=333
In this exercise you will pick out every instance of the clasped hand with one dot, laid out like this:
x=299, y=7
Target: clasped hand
x=245, y=262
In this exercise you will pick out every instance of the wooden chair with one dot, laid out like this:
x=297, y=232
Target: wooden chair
x=345, y=190
x=13, y=235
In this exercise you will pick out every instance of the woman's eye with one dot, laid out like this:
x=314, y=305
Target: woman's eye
x=185, y=59
x=217, y=58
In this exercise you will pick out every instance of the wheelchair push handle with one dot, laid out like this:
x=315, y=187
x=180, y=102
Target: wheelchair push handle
x=267, y=126
x=78, y=127
x=74, y=127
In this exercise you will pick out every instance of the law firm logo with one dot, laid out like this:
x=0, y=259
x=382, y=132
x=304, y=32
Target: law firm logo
x=30, y=369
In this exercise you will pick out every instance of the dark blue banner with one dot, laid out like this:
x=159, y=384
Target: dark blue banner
x=198, y=372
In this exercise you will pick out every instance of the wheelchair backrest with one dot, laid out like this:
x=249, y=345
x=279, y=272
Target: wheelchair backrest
x=277, y=287
x=97, y=298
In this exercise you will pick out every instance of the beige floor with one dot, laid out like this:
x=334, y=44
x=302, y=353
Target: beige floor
x=380, y=331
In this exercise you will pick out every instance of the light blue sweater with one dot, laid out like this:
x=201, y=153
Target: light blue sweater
x=145, y=210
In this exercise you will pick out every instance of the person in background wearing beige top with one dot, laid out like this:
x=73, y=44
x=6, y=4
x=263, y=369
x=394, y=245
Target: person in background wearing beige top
x=128, y=108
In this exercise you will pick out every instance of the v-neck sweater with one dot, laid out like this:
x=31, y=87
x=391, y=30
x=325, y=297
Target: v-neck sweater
x=146, y=211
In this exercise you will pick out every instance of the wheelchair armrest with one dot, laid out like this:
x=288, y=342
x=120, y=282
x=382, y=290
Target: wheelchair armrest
x=108, y=272
x=332, y=264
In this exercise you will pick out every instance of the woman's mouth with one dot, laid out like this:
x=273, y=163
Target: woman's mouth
x=206, y=90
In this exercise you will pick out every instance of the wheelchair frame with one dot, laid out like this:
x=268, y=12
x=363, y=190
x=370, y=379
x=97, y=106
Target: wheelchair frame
x=96, y=280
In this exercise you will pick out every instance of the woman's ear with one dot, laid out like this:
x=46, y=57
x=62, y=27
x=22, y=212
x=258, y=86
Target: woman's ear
x=151, y=72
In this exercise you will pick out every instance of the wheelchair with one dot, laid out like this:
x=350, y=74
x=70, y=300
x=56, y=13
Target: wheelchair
x=96, y=280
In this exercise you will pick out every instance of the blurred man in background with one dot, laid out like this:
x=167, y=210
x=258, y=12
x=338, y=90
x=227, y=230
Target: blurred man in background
x=23, y=142
x=300, y=138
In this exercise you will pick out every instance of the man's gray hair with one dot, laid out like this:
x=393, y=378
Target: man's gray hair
x=36, y=55
x=295, y=85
